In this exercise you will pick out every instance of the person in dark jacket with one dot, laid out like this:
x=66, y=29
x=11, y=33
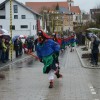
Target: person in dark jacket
x=7, y=51
x=16, y=47
x=29, y=45
x=20, y=47
x=95, y=51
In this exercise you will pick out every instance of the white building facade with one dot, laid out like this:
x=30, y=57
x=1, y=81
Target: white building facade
x=24, y=20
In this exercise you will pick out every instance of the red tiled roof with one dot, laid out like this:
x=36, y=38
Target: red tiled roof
x=37, y=6
x=75, y=9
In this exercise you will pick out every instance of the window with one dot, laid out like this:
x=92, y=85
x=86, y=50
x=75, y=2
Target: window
x=23, y=17
x=76, y=17
x=15, y=16
x=15, y=9
x=33, y=27
x=93, y=13
x=2, y=17
x=0, y=26
x=13, y=27
x=24, y=26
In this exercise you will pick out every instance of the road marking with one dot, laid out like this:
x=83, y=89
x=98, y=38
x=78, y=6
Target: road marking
x=93, y=92
x=92, y=89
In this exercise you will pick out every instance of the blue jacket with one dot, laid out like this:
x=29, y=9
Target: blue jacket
x=49, y=47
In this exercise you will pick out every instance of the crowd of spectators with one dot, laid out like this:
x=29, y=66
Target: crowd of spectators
x=4, y=50
x=19, y=47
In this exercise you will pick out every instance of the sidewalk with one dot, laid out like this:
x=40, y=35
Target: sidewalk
x=26, y=81
x=85, y=61
x=14, y=60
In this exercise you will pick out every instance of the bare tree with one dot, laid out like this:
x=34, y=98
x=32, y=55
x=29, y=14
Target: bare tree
x=95, y=14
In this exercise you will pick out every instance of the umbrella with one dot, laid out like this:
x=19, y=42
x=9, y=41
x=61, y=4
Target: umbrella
x=18, y=36
x=89, y=35
x=93, y=29
x=22, y=36
x=4, y=32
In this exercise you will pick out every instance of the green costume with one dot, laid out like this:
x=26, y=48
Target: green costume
x=48, y=60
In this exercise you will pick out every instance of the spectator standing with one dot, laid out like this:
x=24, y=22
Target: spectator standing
x=16, y=47
x=4, y=48
x=32, y=44
x=7, y=51
x=20, y=46
x=29, y=45
x=95, y=50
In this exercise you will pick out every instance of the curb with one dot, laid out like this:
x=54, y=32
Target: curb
x=6, y=66
x=83, y=64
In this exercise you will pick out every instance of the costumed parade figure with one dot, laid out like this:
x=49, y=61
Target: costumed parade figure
x=46, y=50
x=56, y=55
x=72, y=43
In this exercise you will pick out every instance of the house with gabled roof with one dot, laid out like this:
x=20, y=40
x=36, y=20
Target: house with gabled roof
x=25, y=21
x=67, y=6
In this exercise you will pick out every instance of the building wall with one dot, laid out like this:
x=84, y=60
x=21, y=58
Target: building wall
x=2, y=12
x=68, y=23
x=31, y=20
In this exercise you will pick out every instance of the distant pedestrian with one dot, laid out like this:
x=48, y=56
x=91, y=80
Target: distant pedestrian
x=72, y=43
x=29, y=45
x=7, y=51
x=16, y=47
x=20, y=46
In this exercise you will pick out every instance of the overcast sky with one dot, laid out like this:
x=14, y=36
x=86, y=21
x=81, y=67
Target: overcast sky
x=83, y=4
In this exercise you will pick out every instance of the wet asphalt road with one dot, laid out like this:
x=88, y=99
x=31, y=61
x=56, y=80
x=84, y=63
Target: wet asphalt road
x=25, y=81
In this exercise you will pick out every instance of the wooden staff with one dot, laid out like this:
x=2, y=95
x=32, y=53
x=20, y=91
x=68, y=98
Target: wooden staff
x=34, y=56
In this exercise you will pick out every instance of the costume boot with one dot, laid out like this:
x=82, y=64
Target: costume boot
x=2, y=76
x=58, y=75
x=51, y=84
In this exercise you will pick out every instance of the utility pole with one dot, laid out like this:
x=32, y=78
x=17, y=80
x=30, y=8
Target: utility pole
x=11, y=46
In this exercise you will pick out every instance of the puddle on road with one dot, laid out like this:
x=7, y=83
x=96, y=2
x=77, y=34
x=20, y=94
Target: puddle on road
x=20, y=64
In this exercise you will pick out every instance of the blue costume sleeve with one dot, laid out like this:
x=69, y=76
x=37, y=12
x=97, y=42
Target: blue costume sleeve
x=55, y=46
